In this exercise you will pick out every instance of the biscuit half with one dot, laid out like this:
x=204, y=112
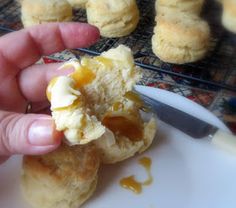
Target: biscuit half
x=65, y=178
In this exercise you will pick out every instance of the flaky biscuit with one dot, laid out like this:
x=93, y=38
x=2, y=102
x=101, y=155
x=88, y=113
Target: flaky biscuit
x=229, y=15
x=175, y=6
x=43, y=11
x=64, y=178
x=109, y=99
x=113, y=18
x=180, y=38
x=78, y=3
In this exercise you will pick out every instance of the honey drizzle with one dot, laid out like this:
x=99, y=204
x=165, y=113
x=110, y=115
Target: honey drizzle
x=83, y=76
x=124, y=126
x=132, y=184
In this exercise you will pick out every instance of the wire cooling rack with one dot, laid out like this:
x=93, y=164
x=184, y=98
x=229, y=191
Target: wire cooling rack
x=217, y=71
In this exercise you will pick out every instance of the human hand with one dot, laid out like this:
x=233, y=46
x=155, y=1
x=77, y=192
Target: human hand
x=22, y=82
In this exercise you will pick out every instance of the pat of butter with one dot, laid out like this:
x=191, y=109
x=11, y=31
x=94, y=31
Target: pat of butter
x=63, y=93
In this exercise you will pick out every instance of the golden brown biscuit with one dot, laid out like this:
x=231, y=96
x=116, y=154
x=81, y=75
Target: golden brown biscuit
x=229, y=15
x=180, y=38
x=173, y=6
x=113, y=18
x=43, y=11
x=65, y=178
x=78, y=3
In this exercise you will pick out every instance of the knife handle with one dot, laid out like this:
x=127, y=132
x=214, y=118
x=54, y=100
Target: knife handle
x=224, y=140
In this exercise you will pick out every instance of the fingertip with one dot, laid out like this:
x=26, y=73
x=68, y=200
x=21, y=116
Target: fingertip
x=95, y=30
x=79, y=35
x=42, y=132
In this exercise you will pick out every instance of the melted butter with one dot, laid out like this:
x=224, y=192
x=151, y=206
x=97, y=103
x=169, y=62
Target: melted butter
x=70, y=107
x=49, y=88
x=124, y=126
x=132, y=184
x=82, y=76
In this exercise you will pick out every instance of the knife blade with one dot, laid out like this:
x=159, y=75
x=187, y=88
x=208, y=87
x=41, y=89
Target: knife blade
x=190, y=125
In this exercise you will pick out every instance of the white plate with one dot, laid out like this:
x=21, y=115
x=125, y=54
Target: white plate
x=187, y=173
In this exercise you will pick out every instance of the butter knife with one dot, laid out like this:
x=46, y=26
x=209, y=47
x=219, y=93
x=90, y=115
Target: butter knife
x=190, y=125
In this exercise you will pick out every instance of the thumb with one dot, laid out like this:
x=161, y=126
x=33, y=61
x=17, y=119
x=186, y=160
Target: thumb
x=27, y=134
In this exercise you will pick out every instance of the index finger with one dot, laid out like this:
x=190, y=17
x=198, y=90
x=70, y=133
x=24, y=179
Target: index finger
x=21, y=49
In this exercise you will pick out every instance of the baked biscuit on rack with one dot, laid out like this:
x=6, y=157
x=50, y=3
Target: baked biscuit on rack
x=64, y=178
x=78, y=3
x=229, y=15
x=175, y=6
x=43, y=11
x=180, y=38
x=113, y=18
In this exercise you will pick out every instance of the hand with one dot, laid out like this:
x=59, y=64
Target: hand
x=22, y=82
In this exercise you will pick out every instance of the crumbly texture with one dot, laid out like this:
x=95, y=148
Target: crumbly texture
x=180, y=38
x=229, y=15
x=175, y=6
x=65, y=178
x=78, y=125
x=43, y=11
x=78, y=3
x=113, y=18
x=113, y=79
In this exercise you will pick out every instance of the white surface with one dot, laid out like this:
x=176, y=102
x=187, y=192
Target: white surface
x=187, y=173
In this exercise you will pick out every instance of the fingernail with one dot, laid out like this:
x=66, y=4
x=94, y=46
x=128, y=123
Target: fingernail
x=42, y=132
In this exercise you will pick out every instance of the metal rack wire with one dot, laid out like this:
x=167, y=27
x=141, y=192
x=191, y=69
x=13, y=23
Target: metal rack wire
x=215, y=72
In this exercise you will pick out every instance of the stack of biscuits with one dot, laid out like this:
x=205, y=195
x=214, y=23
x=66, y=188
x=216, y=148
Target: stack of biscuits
x=113, y=18
x=180, y=35
x=100, y=117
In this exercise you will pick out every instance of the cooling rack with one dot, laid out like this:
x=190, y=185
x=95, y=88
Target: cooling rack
x=217, y=71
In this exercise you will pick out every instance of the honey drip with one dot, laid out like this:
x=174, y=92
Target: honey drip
x=124, y=126
x=132, y=184
x=82, y=76
x=117, y=106
x=134, y=97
